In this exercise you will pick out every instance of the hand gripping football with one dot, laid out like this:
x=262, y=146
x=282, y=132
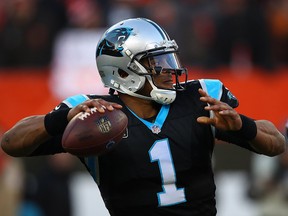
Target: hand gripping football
x=94, y=133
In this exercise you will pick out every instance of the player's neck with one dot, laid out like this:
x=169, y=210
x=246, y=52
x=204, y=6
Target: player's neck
x=141, y=107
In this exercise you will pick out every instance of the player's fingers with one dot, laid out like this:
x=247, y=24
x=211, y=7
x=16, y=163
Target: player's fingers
x=209, y=100
x=218, y=107
x=84, y=107
x=202, y=92
x=230, y=115
x=116, y=105
x=109, y=105
x=205, y=120
x=77, y=109
x=206, y=98
x=101, y=105
x=228, y=112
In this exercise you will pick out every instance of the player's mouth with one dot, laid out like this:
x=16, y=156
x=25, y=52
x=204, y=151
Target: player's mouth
x=168, y=81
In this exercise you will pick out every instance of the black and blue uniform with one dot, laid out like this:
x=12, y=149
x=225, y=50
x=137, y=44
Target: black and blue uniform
x=162, y=166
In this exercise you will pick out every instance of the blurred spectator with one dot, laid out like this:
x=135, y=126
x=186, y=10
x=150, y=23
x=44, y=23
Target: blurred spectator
x=27, y=31
x=269, y=174
x=85, y=14
x=10, y=183
x=165, y=13
x=53, y=193
x=198, y=26
x=237, y=33
x=120, y=10
x=269, y=182
x=73, y=63
x=282, y=175
x=277, y=14
x=47, y=189
x=282, y=172
x=242, y=35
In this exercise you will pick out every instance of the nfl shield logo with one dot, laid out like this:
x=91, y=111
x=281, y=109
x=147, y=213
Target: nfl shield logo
x=104, y=124
x=155, y=129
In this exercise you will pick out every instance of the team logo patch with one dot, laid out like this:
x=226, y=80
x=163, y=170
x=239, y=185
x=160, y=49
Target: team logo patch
x=104, y=124
x=231, y=96
x=112, y=44
x=232, y=100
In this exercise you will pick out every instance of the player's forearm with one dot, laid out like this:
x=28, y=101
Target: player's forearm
x=25, y=136
x=268, y=141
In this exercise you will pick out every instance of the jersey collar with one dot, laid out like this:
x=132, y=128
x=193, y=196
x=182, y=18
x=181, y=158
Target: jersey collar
x=156, y=126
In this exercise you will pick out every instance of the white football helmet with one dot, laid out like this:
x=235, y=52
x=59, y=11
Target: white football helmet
x=123, y=46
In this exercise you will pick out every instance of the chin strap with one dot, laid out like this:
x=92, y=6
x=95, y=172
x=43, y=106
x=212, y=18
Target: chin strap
x=162, y=96
x=126, y=91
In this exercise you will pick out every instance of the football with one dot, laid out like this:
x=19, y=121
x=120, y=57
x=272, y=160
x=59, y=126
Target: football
x=94, y=133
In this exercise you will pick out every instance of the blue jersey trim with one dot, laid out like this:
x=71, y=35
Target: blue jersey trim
x=213, y=88
x=162, y=115
x=75, y=100
x=160, y=119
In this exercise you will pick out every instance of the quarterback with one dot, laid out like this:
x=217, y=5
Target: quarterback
x=162, y=166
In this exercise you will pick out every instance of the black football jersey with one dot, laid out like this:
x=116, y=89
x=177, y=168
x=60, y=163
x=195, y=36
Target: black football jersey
x=161, y=166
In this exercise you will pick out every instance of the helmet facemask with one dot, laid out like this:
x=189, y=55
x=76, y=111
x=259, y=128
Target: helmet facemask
x=160, y=62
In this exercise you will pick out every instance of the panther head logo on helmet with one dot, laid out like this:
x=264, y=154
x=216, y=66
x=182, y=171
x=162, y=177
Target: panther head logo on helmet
x=112, y=43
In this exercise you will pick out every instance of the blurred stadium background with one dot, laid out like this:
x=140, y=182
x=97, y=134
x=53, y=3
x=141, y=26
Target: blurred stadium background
x=47, y=50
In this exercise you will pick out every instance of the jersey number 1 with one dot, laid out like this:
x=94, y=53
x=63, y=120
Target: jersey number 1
x=171, y=195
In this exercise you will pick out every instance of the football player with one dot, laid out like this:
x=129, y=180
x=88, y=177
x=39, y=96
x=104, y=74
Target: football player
x=162, y=165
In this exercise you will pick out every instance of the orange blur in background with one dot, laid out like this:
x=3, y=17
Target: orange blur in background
x=261, y=95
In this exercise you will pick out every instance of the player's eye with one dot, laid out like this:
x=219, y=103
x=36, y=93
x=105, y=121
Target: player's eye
x=153, y=63
x=157, y=63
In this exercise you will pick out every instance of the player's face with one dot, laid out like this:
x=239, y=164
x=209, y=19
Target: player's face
x=162, y=66
x=163, y=80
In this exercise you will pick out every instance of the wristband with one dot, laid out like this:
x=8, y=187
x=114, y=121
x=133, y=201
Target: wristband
x=55, y=122
x=248, y=130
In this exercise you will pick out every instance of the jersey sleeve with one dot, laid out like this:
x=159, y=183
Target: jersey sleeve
x=217, y=90
x=75, y=100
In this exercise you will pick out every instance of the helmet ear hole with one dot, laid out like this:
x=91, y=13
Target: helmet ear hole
x=122, y=73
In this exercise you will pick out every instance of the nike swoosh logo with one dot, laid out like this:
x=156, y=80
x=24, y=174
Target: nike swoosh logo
x=57, y=107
